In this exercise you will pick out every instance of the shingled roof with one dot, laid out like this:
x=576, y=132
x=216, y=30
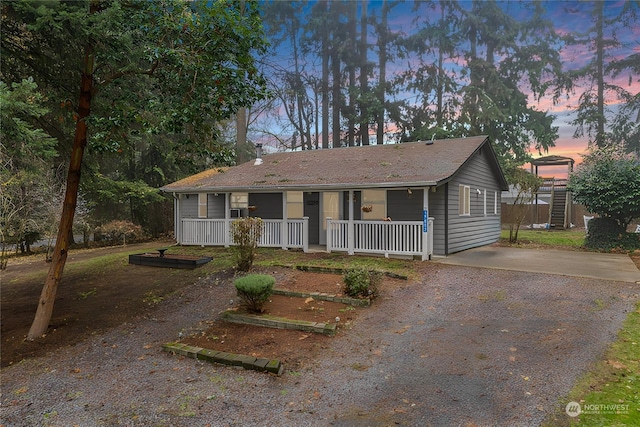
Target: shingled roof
x=373, y=166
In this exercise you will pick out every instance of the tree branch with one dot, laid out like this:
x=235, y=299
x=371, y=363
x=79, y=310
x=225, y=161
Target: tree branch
x=119, y=74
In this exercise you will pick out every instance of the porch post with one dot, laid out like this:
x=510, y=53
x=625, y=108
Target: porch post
x=305, y=234
x=227, y=219
x=329, y=234
x=177, y=218
x=350, y=226
x=284, y=230
x=425, y=219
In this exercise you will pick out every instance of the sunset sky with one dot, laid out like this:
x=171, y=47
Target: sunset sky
x=573, y=58
x=568, y=17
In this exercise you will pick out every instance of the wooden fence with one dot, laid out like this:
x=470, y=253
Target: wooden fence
x=539, y=214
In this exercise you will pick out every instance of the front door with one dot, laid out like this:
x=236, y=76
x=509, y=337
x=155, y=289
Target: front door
x=312, y=210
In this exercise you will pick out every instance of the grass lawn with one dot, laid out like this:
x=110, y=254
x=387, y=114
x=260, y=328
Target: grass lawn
x=613, y=380
x=564, y=239
x=609, y=395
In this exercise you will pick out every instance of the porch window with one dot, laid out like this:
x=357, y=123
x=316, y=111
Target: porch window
x=239, y=200
x=375, y=203
x=202, y=205
x=295, y=205
x=330, y=206
x=464, y=200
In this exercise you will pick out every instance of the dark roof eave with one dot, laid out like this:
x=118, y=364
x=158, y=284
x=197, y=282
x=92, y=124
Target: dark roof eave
x=298, y=187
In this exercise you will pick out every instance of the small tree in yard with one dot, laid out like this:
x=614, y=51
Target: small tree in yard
x=246, y=234
x=526, y=184
x=608, y=184
x=254, y=290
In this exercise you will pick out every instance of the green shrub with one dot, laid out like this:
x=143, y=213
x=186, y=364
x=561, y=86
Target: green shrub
x=607, y=234
x=254, y=290
x=246, y=234
x=119, y=232
x=361, y=283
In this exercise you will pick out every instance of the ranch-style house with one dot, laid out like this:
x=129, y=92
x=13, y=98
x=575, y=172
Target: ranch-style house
x=416, y=199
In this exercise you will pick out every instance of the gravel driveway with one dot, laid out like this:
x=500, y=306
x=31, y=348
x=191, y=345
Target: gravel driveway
x=465, y=346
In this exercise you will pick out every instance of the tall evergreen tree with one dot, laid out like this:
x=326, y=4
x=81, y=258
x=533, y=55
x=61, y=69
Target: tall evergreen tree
x=596, y=79
x=25, y=172
x=363, y=56
x=437, y=45
x=504, y=55
x=169, y=66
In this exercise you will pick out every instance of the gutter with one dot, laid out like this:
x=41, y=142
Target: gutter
x=310, y=187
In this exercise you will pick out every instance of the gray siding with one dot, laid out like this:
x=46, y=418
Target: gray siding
x=357, y=204
x=215, y=206
x=475, y=230
x=402, y=206
x=268, y=205
x=189, y=206
x=437, y=211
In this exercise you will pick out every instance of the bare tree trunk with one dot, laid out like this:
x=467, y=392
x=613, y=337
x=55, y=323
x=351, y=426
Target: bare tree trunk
x=47, y=297
x=325, y=79
x=474, y=79
x=600, y=135
x=440, y=85
x=364, y=75
x=336, y=95
x=242, y=151
x=382, y=65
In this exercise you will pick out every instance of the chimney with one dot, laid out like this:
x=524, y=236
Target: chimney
x=258, y=154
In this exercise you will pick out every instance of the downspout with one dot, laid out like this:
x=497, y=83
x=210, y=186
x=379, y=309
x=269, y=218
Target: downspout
x=227, y=219
x=446, y=219
x=177, y=220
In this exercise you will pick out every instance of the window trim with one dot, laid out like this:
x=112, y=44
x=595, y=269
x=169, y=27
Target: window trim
x=464, y=200
x=203, y=205
x=484, y=204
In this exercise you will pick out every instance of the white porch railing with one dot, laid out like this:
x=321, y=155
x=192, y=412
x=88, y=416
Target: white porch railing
x=217, y=232
x=381, y=237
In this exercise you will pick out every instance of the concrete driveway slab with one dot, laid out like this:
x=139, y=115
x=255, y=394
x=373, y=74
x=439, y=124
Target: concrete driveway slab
x=617, y=267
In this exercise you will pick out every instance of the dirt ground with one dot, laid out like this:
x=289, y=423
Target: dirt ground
x=296, y=349
x=452, y=346
x=86, y=306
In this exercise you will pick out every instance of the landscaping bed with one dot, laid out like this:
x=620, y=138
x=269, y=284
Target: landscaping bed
x=293, y=347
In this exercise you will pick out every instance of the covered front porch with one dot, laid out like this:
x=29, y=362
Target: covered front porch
x=340, y=221
x=365, y=237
